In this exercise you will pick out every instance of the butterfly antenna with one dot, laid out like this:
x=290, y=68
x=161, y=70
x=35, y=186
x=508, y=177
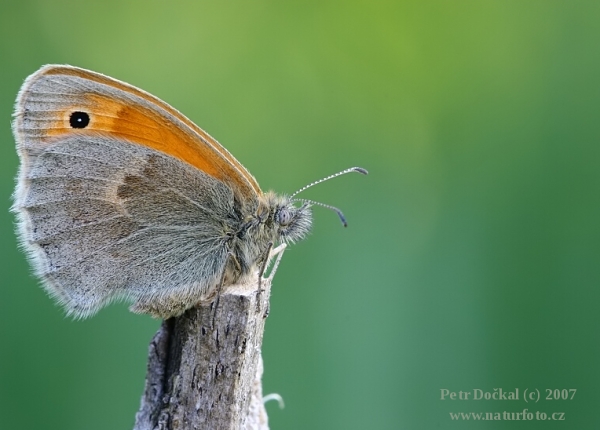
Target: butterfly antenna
x=335, y=175
x=333, y=208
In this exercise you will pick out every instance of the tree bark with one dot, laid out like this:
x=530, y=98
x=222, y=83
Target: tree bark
x=205, y=367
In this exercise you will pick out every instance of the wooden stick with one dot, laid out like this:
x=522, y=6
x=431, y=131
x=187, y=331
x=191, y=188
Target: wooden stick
x=205, y=367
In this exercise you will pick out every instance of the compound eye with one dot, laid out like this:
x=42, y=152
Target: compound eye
x=284, y=217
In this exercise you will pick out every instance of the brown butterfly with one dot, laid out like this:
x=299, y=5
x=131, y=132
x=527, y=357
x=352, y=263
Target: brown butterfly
x=120, y=196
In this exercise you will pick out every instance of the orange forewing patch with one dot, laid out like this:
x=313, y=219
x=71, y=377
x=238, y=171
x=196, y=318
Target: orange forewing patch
x=146, y=127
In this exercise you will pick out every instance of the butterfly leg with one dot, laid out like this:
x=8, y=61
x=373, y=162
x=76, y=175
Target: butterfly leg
x=270, y=253
x=279, y=253
x=261, y=272
x=230, y=257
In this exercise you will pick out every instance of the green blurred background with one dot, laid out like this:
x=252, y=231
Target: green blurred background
x=471, y=256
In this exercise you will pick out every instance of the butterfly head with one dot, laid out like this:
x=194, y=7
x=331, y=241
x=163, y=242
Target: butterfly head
x=289, y=222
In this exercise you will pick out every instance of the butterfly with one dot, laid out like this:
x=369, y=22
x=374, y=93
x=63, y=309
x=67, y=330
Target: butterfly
x=121, y=197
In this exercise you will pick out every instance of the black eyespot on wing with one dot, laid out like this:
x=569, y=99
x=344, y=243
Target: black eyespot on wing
x=79, y=119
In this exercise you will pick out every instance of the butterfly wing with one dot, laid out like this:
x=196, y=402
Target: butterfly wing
x=137, y=204
x=53, y=93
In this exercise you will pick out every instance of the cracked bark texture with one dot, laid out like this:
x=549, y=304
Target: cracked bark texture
x=205, y=367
